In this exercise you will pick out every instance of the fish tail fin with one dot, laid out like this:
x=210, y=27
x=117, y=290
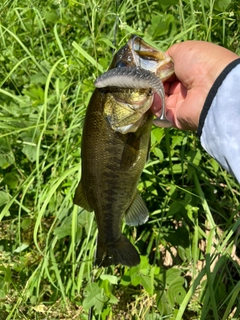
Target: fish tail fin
x=120, y=252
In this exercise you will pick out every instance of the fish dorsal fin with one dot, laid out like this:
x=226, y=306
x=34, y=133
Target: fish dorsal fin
x=137, y=213
x=130, y=152
x=80, y=198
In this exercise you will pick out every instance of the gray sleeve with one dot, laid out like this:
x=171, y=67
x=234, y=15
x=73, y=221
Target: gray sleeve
x=219, y=126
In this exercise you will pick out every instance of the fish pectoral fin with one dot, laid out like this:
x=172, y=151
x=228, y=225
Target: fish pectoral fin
x=130, y=152
x=80, y=198
x=137, y=213
x=119, y=252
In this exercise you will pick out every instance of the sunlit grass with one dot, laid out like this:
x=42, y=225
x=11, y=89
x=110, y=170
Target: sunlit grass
x=51, y=54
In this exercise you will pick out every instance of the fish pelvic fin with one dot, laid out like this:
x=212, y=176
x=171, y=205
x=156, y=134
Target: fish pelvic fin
x=80, y=198
x=120, y=252
x=137, y=212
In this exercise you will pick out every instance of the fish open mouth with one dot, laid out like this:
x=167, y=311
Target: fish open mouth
x=149, y=58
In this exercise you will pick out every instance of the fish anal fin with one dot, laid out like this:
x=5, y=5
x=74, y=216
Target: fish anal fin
x=120, y=252
x=80, y=198
x=137, y=212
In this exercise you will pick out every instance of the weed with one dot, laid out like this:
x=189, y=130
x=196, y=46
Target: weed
x=50, y=54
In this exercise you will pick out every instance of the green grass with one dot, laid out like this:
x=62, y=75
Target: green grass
x=51, y=52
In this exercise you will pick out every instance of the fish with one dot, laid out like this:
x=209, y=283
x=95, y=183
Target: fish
x=114, y=149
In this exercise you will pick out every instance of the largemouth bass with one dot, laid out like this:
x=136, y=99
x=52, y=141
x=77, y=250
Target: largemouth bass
x=115, y=146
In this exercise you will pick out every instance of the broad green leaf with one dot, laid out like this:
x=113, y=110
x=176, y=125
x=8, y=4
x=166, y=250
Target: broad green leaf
x=160, y=25
x=4, y=198
x=36, y=94
x=110, y=278
x=141, y=275
x=194, y=156
x=30, y=148
x=12, y=180
x=156, y=135
x=214, y=165
x=26, y=223
x=6, y=155
x=163, y=303
x=113, y=299
x=174, y=208
x=65, y=229
x=177, y=140
x=125, y=279
x=51, y=17
x=94, y=297
x=143, y=280
x=176, y=169
x=183, y=253
x=176, y=293
x=158, y=153
x=31, y=152
x=179, y=237
x=21, y=248
x=221, y=5
x=38, y=78
x=169, y=276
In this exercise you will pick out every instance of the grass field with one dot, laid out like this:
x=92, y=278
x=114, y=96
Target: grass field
x=51, y=52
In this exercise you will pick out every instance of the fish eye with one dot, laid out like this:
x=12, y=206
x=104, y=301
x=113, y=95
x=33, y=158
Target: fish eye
x=121, y=64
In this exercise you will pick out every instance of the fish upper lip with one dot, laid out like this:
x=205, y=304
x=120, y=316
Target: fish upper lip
x=147, y=57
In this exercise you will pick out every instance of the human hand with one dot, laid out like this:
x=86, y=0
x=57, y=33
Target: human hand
x=197, y=65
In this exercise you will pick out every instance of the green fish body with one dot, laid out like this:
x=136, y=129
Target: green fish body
x=115, y=147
